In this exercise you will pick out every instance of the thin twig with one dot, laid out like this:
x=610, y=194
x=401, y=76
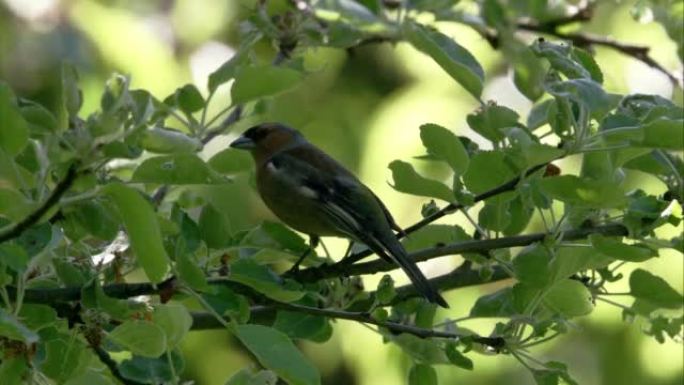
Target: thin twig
x=112, y=365
x=581, y=39
x=61, y=188
x=202, y=320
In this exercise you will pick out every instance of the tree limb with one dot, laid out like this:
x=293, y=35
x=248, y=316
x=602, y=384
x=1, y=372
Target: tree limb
x=461, y=277
x=379, y=265
x=62, y=187
x=637, y=52
x=208, y=321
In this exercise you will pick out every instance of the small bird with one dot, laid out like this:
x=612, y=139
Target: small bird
x=314, y=194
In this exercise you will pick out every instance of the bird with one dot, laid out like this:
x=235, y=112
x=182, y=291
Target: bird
x=314, y=194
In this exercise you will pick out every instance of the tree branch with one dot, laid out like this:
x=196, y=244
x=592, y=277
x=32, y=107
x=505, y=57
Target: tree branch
x=113, y=367
x=379, y=265
x=62, y=187
x=207, y=321
x=638, y=52
x=460, y=277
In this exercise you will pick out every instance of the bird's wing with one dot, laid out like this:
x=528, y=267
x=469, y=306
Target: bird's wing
x=351, y=207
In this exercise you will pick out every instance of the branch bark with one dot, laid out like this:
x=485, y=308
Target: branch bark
x=207, y=321
x=62, y=187
x=377, y=266
x=460, y=277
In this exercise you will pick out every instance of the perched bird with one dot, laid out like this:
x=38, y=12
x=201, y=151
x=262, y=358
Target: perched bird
x=314, y=194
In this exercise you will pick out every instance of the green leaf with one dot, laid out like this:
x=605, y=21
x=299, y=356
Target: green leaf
x=189, y=99
x=226, y=71
x=248, y=376
x=35, y=239
x=422, y=350
x=14, y=205
x=40, y=120
x=190, y=272
x=545, y=377
x=490, y=120
x=520, y=213
x=587, y=61
x=37, y=317
x=227, y=303
x=90, y=377
x=14, y=256
x=152, y=370
x=495, y=215
x=663, y=133
x=231, y=161
x=63, y=358
x=14, y=370
x=262, y=81
x=583, y=192
x=453, y=58
x=14, y=132
x=554, y=372
x=525, y=145
x=407, y=180
x=528, y=69
x=385, y=292
x=97, y=218
x=276, y=352
x=488, y=170
x=434, y=235
x=497, y=304
x=584, y=92
x=140, y=337
x=539, y=115
x=166, y=141
x=94, y=297
x=425, y=315
x=174, y=320
x=72, y=97
x=214, y=227
x=532, y=268
x=616, y=249
x=651, y=288
x=142, y=228
x=176, y=169
x=570, y=298
x=560, y=58
x=11, y=328
x=263, y=280
x=457, y=358
x=303, y=326
x=571, y=260
x=421, y=374
x=445, y=145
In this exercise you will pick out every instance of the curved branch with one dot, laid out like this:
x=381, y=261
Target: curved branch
x=637, y=52
x=62, y=187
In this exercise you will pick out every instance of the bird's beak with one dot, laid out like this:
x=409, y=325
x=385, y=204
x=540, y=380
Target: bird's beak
x=243, y=143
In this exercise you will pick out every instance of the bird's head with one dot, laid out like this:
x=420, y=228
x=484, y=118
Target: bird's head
x=267, y=139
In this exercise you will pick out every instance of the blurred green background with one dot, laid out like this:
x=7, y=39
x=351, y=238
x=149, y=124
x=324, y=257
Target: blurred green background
x=364, y=107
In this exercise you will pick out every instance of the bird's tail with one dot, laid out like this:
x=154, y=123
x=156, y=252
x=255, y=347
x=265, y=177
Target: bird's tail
x=398, y=254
